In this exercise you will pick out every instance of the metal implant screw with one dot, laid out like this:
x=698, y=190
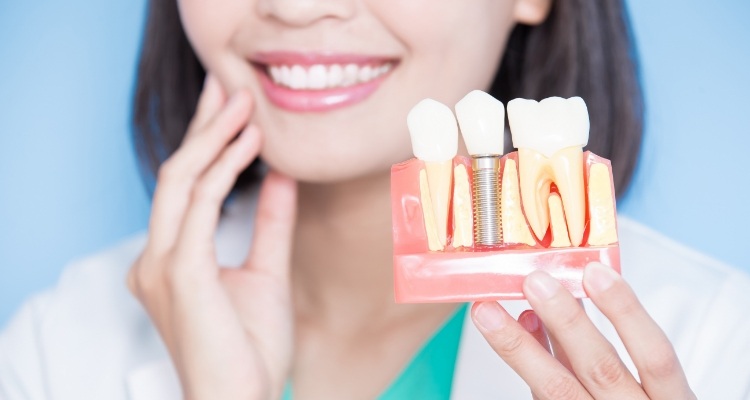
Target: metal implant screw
x=488, y=228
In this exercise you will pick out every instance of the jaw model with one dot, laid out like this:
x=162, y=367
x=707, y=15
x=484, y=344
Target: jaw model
x=556, y=206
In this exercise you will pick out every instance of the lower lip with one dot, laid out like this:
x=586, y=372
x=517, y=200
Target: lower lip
x=318, y=100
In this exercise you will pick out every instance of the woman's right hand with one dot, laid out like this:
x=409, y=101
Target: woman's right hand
x=229, y=331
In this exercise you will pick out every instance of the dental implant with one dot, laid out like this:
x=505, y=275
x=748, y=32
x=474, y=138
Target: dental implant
x=481, y=118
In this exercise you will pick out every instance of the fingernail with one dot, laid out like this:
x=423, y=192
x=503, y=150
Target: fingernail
x=530, y=321
x=490, y=316
x=541, y=285
x=599, y=276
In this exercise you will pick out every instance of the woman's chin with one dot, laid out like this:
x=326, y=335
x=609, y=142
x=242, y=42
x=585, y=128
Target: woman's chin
x=325, y=169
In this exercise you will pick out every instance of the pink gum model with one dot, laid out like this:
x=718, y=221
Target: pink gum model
x=474, y=274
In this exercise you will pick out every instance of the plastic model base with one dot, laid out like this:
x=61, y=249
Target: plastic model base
x=477, y=274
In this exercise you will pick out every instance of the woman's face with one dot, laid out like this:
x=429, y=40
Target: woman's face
x=333, y=80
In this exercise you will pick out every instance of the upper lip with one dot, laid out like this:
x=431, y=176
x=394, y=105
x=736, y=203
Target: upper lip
x=313, y=58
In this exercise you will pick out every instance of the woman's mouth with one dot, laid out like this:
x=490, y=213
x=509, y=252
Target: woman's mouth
x=304, y=82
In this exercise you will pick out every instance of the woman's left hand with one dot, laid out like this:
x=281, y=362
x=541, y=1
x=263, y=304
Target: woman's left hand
x=585, y=365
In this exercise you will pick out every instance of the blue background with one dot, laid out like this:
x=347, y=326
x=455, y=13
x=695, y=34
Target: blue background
x=69, y=184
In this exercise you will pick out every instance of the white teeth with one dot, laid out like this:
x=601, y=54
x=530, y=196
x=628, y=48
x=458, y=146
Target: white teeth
x=319, y=76
x=350, y=74
x=335, y=75
x=549, y=125
x=299, y=78
x=482, y=121
x=433, y=130
x=365, y=74
x=275, y=74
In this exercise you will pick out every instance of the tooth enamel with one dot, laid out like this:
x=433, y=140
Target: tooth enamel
x=350, y=74
x=550, y=136
x=275, y=74
x=434, y=137
x=335, y=75
x=317, y=77
x=299, y=78
x=603, y=229
x=286, y=75
x=557, y=222
x=365, y=73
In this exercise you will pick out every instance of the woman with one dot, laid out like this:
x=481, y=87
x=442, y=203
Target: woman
x=309, y=312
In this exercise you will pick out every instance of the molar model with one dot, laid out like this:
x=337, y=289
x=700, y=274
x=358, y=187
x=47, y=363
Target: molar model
x=461, y=236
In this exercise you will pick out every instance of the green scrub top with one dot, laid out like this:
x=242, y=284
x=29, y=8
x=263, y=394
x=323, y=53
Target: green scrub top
x=429, y=375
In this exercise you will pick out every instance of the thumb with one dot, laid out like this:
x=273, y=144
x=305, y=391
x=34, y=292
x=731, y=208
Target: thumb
x=274, y=226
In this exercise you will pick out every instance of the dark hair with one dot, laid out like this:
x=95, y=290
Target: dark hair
x=584, y=48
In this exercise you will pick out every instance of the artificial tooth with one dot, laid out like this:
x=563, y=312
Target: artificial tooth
x=515, y=230
x=603, y=228
x=560, y=236
x=434, y=137
x=462, y=215
x=482, y=121
x=550, y=136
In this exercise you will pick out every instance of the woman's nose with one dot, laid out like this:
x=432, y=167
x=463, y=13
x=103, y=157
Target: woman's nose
x=300, y=13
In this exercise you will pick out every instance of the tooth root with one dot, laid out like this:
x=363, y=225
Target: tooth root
x=557, y=222
x=433, y=243
x=462, y=217
x=536, y=177
x=601, y=207
x=515, y=229
x=567, y=165
x=439, y=182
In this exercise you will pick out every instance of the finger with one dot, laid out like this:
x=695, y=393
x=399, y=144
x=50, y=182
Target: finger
x=559, y=352
x=531, y=323
x=202, y=217
x=653, y=355
x=274, y=226
x=211, y=100
x=522, y=352
x=179, y=173
x=594, y=360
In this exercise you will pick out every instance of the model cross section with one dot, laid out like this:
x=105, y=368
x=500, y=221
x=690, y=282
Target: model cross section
x=472, y=228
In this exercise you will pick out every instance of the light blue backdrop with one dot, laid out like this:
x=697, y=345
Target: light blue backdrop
x=69, y=184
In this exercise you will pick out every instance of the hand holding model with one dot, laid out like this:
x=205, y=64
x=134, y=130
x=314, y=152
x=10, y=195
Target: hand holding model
x=229, y=331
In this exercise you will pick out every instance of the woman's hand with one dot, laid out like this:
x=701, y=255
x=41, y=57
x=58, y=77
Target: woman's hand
x=585, y=365
x=228, y=331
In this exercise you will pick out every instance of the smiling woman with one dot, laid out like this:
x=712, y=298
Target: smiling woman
x=285, y=290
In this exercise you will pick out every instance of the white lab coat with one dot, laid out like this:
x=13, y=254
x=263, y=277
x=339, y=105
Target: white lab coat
x=88, y=338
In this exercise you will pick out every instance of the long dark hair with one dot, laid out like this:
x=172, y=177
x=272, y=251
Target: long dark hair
x=584, y=48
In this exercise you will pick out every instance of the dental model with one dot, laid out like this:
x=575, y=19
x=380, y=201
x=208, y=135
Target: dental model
x=549, y=206
x=434, y=138
x=550, y=136
x=482, y=121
